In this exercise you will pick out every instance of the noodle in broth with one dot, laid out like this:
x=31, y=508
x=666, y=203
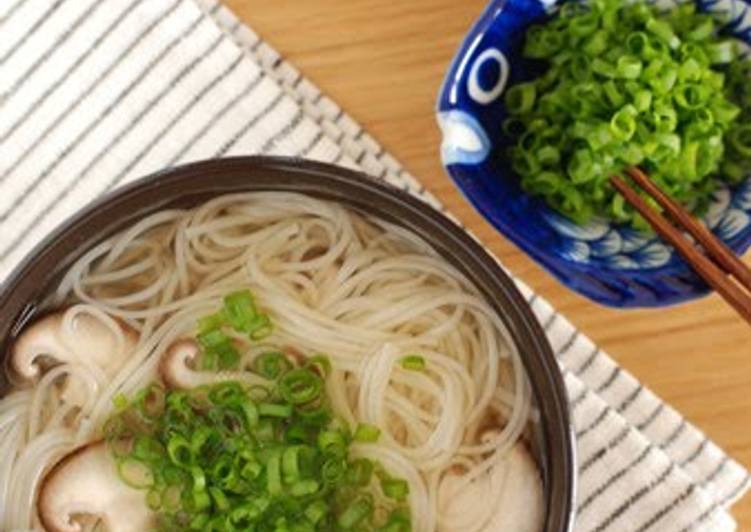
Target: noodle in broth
x=363, y=292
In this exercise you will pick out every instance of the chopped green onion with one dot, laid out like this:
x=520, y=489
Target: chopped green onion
x=251, y=412
x=413, y=362
x=642, y=101
x=300, y=386
x=690, y=70
x=596, y=44
x=690, y=96
x=360, y=472
x=260, y=327
x=119, y=401
x=545, y=44
x=630, y=154
x=580, y=68
x=146, y=448
x=316, y=511
x=154, y=500
x=304, y=487
x=399, y=520
x=228, y=356
x=661, y=76
x=603, y=68
x=179, y=451
x=320, y=364
x=220, y=499
x=724, y=112
x=240, y=309
x=272, y=364
x=614, y=94
x=357, y=512
x=265, y=430
x=213, y=338
x=251, y=470
x=199, y=478
x=367, y=433
x=581, y=167
x=274, y=410
x=734, y=172
x=396, y=489
x=599, y=136
x=333, y=470
x=693, y=51
x=274, y=474
x=548, y=155
x=332, y=442
x=521, y=98
x=240, y=314
x=218, y=350
x=227, y=393
x=212, y=322
x=543, y=183
x=584, y=24
x=721, y=52
x=135, y=474
x=740, y=139
x=629, y=84
x=291, y=464
x=628, y=67
x=664, y=32
x=637, y=42
x=703, y=29
x=200, y=500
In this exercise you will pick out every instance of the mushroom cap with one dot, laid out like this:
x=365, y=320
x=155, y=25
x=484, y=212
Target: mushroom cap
x=521, y=505
x=87, y=482
x=174, y=367
x=93, y=344
x=40, y=339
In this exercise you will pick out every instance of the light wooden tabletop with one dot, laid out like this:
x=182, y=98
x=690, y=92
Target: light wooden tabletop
x=383, y=62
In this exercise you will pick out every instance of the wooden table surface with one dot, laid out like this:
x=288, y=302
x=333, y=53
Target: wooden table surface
x=383, y=62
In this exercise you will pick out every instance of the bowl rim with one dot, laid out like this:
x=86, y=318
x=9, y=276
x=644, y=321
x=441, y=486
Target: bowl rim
x=22, y=295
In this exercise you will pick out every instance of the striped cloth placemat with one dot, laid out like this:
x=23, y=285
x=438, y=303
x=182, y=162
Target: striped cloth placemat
x=95, y=93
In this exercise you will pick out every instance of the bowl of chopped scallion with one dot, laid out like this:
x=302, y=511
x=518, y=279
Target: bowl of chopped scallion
x=546, y=100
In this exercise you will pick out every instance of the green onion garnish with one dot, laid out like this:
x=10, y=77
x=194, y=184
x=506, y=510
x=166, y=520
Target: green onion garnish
x=300, y=386
x=239, y=314
x=229, y=457
x=272, y=364
x=396, y=489
x=357, y=512
x=367, y=433
x=413, y=362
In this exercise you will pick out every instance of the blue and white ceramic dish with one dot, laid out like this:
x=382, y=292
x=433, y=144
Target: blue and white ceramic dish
x=606, y=262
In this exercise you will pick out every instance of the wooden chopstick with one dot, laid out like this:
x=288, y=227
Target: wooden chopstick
x=715, y=274
x=714, y=247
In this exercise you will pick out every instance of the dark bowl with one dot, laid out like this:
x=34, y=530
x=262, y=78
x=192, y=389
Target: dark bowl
x=23, y=295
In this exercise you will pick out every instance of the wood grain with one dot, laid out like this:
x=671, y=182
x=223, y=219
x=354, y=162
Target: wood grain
x=383, y=61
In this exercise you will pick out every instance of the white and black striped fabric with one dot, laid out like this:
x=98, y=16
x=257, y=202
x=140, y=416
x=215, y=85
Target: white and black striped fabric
x=95, y=93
